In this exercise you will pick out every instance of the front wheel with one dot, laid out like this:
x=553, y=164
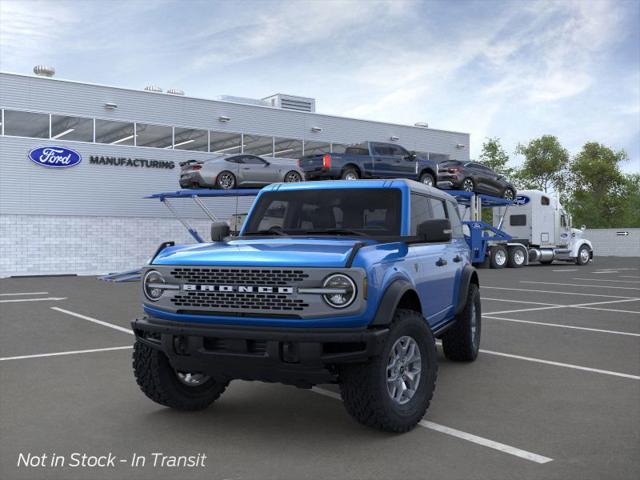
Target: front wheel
x=584, y=255
x=392, y=392
x=468, y=185
x=509, y=194
x=164, y=385
x=427, y=179
x=292, y=177
x=462, y=341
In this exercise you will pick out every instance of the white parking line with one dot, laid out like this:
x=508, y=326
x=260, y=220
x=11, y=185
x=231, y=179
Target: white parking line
x=94, y=320
x=567, y=270
x=518, y=301
x=606, y=280
x=556, y=292
x=72, y=352
x=560, y=364
x=526, y=310
x=597, y=330
x=469, y=437
x=47, y=299
x=629, y=276
x=588, y=306
x=23, y=293
x=580, y=285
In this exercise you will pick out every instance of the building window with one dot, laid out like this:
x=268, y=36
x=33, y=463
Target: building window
x=71, y=128
x=114, y=133
x=157, y=136
x=258, y=145
x=26, y=124
x=191, y=139
x=316, y=148
x=287, y=148
x=225, y=143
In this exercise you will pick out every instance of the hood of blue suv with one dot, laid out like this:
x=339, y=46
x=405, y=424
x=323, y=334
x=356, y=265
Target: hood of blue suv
x=259, y=252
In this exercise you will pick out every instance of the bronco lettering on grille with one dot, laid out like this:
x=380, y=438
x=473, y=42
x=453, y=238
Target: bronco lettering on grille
x=237, y=288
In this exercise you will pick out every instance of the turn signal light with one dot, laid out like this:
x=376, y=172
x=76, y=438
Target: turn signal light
x=326, y=161
x=196, y=167
x=453, y=170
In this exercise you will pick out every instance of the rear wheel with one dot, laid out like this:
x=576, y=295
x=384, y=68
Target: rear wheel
x=584, y=255
x=498, y=256
x=509, y=194
x=462, y=341
x=517, y=257
x=226, y=180
x=427, y=179
x=468, y=185
x=350, y=173
x=292, y=177
x=164, y=385
x=392, y=392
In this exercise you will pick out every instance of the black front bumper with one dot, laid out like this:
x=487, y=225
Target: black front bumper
x=292, y=356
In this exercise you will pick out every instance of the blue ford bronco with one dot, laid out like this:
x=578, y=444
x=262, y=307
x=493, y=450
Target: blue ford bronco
x=328, y=282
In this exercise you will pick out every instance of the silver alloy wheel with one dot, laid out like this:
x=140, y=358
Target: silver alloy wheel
x=293, y=177
x=518, y=256
x=467, y=185
x=427, y=180
x=192, y=379
x=351, y=176
x=501, y=257
x=403, y=370
x=474, y=325
x=584, y=255
x=226, y=181
x=508, y=194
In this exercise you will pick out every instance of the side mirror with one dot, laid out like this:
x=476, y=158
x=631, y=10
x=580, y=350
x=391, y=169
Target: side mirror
x=436, y=231
x=583, y=228
x=219, y=231
x=411, y=156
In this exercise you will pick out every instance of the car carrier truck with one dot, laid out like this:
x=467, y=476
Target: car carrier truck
x=540, y=230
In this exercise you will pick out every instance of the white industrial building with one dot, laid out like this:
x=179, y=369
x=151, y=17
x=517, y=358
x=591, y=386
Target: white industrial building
x=92, y=218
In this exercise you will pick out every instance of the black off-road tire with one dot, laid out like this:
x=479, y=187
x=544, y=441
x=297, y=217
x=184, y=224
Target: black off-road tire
x=364, y=386
x=159, y=381
x=461, y=342
x=350, y=172
x=499, y=256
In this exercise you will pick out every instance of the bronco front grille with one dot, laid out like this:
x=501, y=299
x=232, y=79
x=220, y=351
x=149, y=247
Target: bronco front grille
x=235, y=276
x=238, y=301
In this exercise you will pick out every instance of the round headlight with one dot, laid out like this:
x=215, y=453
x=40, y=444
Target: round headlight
x=343, y=291
x=150, y=284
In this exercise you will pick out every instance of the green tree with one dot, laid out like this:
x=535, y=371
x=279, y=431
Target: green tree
x=630, y=216
x=545, y=164
x=495, y=157
x=599, y=194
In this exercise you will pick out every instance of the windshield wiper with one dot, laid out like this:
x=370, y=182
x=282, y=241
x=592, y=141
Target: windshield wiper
x=335, y=231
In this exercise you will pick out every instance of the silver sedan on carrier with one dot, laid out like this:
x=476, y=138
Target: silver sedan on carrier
x=234, y=171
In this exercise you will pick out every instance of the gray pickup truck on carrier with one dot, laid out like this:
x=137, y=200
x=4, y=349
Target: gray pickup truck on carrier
x=370, y=160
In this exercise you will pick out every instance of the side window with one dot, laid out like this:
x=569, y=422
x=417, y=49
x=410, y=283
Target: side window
x=544, y=201
x=456, y=223
x=420, y=211
x=398, y=151
x=518, y=220
x=252, y=160
x=438, y=209
x=234, y=160
x=381, y=149
x=563, y=220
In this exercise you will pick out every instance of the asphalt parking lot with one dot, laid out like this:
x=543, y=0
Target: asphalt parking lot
x=554, y=394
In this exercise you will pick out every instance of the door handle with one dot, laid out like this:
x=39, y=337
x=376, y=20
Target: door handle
x=441, y=262
x=246, y=168
x=457, y=259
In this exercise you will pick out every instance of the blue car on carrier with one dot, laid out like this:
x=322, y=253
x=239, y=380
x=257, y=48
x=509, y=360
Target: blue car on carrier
x=328, y=282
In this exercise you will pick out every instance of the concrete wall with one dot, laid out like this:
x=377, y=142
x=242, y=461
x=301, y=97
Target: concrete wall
x=607, y=242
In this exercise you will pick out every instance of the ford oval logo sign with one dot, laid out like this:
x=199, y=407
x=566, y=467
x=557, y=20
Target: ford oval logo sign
x=521, y=200
x=55, y=157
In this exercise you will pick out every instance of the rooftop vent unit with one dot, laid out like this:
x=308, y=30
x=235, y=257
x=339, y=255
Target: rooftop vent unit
x=291, y=102
x=245, y=100
x=153, y=88
x=421, y=124
x=175, y=91
x=44, y=71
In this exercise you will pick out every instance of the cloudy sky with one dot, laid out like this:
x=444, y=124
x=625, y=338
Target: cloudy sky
x=514, y=69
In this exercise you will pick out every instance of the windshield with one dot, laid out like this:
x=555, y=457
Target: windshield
x=368, y=212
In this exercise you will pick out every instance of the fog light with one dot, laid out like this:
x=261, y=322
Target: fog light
x=342, y=291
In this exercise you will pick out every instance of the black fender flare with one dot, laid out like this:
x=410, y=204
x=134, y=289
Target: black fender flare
x=390, y=300
x=469, y=276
